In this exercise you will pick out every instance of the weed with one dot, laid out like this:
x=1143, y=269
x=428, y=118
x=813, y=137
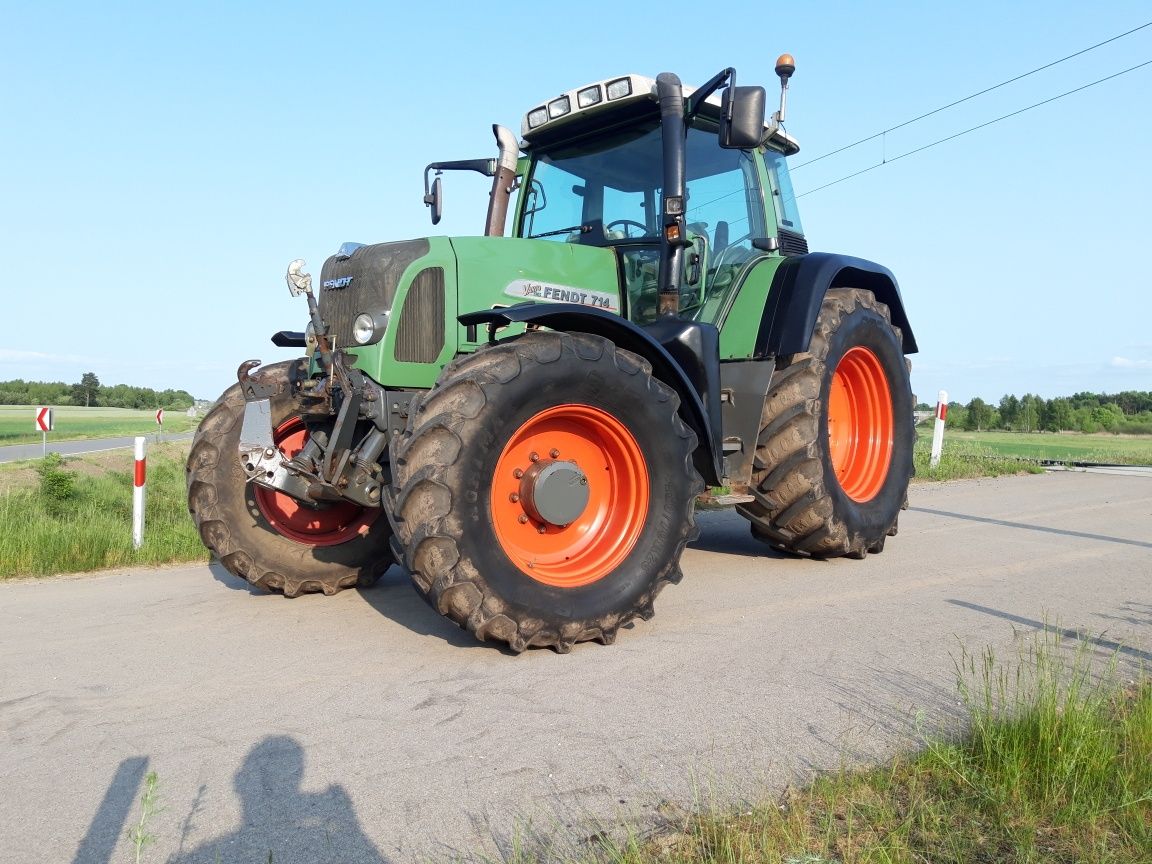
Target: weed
x=139, y=835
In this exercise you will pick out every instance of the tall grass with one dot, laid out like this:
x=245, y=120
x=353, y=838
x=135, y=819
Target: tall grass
x=84, y=522
x=1052, y=763
x=961, y=459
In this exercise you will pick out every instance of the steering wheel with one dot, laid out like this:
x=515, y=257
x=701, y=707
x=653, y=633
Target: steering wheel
x=628, y=223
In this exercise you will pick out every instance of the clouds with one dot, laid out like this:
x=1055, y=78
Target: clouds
x=1128, y=363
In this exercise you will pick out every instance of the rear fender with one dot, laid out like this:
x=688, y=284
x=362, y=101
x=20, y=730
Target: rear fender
x=685, y=355
x=798, y=289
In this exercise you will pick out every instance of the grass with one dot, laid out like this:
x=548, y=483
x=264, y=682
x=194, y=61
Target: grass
x=1053, y=763
x=17, y=423
x=962, y=459
x=75, y=515
x=1061, y=447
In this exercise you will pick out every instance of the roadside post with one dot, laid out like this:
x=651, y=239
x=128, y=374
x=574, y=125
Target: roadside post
x=44, y=426
x=138, y=495
x=938, y=429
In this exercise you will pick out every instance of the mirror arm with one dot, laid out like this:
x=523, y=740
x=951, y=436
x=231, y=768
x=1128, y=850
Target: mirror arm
x=711, y=86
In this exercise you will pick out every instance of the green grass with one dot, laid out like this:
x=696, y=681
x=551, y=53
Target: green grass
x=81, y=523
x=962, y=459
x=1052, y=763
x=17, y=423
x=1071, y=446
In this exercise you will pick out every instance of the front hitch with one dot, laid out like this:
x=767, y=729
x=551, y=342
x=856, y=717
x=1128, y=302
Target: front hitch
x=260, y=458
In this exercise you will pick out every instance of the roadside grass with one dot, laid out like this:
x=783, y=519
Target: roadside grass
x=17, y=423
x=1052, y=762
x=966, y=459
x=75, y=514
x=1060, y=447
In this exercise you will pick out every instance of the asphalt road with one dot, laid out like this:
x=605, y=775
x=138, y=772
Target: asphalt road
x=20, y=452
x=364, y=728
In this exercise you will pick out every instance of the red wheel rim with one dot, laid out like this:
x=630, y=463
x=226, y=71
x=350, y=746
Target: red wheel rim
x=600, y=538
x=860, y=425
x=331, y=525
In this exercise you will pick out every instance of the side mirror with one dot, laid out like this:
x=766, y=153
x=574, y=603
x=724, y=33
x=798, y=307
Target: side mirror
x=435, y=200
x=742, y=117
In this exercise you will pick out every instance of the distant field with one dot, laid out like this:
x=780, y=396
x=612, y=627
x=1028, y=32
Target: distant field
x=17, y=423
x=1070, y=447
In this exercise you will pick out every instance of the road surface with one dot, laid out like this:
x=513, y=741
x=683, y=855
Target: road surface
x=20, y=452
x=363, y=727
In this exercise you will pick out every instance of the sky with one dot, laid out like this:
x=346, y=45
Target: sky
x=160, y=165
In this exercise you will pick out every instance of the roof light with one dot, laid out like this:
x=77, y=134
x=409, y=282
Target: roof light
x=537, y=117
x=619, y=88
x=559, y=107
x=589, y=96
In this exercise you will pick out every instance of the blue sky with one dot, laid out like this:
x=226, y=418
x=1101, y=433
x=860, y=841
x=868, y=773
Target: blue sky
x=160, y=165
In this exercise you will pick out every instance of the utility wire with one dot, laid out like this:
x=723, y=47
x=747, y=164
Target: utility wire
x=974, y=128
x=973, y=96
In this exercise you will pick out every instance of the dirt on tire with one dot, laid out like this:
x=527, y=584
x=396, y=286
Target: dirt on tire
x=801, y=506
x=443, y=475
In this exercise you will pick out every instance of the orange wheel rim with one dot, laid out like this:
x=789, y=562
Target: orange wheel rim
x=606, y=528
x=328, y=526
x=860, y=426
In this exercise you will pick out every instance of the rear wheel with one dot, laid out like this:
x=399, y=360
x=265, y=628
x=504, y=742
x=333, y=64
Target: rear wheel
x=543, y=491
x=271, y=539
x=834, y=455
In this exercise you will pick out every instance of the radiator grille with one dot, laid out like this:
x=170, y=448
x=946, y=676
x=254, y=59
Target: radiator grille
x=420, y=332
x=792, y=243
x=373, y=273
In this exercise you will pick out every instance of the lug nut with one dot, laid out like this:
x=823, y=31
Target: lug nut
x=534, y=456
x=522, y=518
x=514, y=497
x=553, y=452
x=518, y=473
x=542, y=530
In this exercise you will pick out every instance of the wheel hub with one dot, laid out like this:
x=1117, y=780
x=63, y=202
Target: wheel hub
x=554, y=492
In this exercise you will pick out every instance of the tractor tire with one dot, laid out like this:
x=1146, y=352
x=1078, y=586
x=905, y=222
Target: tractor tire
x=834, y=454
x=487, y=503
x=267, y=537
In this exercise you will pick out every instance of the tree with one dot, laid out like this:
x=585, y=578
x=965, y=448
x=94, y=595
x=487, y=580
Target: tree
x=87, y=391
x=979, y=415
x=1009, y=409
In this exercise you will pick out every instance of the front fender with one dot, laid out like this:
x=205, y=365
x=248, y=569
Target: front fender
x=690, y=364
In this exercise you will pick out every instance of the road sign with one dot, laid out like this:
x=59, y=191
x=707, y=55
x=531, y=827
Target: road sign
x=43, y=419
x=160, y=417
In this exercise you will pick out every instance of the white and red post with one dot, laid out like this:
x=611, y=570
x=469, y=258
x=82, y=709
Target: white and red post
x=138, y=495
x=938, y=430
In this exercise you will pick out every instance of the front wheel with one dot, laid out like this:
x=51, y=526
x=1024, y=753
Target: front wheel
x=834, y=455
x=274, y=541
x=543, y=492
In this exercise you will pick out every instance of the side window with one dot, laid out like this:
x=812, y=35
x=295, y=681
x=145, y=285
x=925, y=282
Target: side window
x=783, y=196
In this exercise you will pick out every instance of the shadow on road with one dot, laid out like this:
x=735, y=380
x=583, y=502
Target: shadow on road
x=394, y=598
x=109, y=823
x=1025, y=526
x=1076, y=635
x=726, y=531
x=282, y=823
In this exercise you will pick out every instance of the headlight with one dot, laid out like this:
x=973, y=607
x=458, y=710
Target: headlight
x=368, y=329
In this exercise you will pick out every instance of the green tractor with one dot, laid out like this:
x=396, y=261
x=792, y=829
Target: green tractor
x=525, y=421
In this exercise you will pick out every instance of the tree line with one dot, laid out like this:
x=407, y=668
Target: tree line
x=1128, y=413
x=90, y=392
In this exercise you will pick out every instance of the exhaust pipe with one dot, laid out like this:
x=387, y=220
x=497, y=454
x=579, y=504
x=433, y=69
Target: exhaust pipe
x=502, y=182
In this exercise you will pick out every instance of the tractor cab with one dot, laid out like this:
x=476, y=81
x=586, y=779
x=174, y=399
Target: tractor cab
x=605, y=189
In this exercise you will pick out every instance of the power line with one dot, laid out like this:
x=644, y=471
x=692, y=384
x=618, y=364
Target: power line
x=974, y=128
x=973, y=96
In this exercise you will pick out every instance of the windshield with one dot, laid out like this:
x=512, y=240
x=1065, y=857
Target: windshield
x=605, y=191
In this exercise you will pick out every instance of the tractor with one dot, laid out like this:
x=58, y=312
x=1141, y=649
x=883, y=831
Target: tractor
x=525, y=419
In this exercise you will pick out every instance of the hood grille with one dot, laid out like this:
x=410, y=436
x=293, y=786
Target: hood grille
x=364, y=281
